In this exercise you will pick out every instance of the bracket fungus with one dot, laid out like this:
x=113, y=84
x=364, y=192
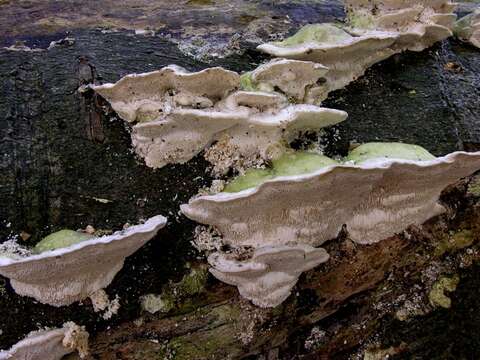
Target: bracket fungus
x=468, y=28
x=187, y=132
x=179, y=114
x=270, y=272
x=150, y=96
x=375, y=30
x=296, y=79
x=418, y=25
x=50, y=344
x=375, y=199
x=64, y=275
x=346, y=56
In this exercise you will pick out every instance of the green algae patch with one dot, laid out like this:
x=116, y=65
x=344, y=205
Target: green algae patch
x=157, y=303
x=174, y=294
x=60, y=239
x=291, y=163
x=201, y=2
x=194, y=282
x=327, y=34
x=250, y=179
x=437, y=296
x=247, y=83
x=300, y=163
x=458, y=241
x=361, y=20
x=474, y=186
x=376, y=150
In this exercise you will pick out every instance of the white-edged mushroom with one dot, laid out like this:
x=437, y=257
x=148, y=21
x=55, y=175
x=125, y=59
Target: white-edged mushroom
x=170, y=129
x=375, y=199
x=65, y=275
x=268, y=275
x=418, y=25
x=296, y=79
x=150, y=96
x=253, y=133
x=51, y=344
x=346, y=56
x=468, y=28
x=375, y=31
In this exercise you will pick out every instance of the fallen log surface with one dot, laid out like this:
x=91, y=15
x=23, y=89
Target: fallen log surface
x=67, y=163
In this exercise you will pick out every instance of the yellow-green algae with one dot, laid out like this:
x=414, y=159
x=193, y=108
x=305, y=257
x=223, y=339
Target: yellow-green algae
x=191, y=284
x=377, y=150
x=459, y=240
x=301, y=162
x=437, y=295
x=157, y=303
x=60, y=239
x=251, y=178
x=297, y=163
x=474, y=186
x=361, y=20
x=292, y=163
x=324, y=34
x=194, y=282
x=246, y=82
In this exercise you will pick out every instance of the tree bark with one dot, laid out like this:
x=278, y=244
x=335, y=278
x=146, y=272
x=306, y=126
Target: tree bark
x=67, y=163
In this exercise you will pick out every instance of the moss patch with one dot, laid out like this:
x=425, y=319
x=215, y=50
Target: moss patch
x=60, y=239
x=157, y=303
x=377, y=150
x=459, y=240
x=173, y=294
x=437, y=295
x=474, y=186
x=193, y=283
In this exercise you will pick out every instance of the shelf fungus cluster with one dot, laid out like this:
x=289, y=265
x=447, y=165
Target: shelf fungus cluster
x=51, y=344
x=305, y=199
x=284, y=204
x=174, y=121
x=374, y=31
x=69, y=266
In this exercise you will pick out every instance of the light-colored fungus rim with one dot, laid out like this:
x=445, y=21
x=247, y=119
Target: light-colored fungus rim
x=156, y=222
x=368, y=165
x=175, y=69
x=304, y=48
x=287, y=115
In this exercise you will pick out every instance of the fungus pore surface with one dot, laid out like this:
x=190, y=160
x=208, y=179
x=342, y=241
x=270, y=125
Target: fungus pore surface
x=375, y=30
x=178, y=114
x=269, y=274
x=375, y=199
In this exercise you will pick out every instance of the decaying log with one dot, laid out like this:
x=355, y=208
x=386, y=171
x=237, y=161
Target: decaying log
x=66, y=162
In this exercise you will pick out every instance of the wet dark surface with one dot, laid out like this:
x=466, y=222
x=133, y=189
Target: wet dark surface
x=208, y=21
x=446, y=333
x=417, y=98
